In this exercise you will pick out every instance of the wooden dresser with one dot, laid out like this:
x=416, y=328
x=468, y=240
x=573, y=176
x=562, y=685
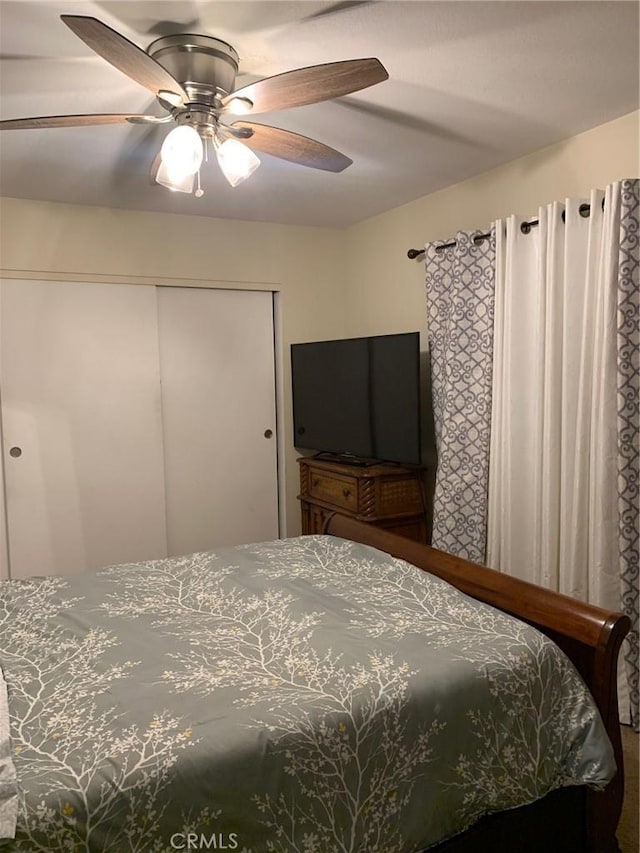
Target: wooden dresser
x=386, y=495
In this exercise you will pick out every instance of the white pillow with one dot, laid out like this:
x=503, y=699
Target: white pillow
x=8, y=780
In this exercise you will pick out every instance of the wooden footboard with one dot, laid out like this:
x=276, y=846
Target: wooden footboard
x=589, y=636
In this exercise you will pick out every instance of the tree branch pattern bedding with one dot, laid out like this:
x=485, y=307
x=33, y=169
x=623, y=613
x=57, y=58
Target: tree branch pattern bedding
x=309, y=694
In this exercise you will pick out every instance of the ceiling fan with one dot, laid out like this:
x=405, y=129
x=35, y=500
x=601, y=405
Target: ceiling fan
x=193, y=78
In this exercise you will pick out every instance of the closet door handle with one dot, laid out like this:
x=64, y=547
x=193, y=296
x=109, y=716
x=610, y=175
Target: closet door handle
x=15, y=452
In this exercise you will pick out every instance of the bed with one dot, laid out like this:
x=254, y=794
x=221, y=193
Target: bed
x=312, y=694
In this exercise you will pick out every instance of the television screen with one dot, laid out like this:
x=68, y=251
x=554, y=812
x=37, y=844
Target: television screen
x=359, y=397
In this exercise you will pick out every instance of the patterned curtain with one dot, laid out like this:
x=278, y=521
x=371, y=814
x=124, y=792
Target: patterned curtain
x=628, y=388
x=460, y=285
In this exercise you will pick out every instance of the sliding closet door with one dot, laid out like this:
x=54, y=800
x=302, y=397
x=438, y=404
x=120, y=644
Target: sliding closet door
x=81, y=422
x=218, y=411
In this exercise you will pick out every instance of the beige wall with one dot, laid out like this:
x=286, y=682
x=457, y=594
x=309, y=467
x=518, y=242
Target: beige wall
x=304, y=265
x=385, y=290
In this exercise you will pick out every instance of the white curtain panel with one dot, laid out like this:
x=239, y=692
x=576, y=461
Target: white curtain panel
x=553, y=483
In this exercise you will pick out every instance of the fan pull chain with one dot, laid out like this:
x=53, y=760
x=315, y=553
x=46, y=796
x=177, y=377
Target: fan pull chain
x=199, y=192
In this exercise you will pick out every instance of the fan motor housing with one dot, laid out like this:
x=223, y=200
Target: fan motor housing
x=205, y=66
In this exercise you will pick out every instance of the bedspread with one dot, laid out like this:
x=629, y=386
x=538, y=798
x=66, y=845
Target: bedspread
x=309, y=694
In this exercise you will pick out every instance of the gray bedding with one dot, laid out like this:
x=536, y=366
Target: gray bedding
x=309, y=694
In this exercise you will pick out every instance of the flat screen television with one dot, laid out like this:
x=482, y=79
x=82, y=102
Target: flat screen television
x=359, y=397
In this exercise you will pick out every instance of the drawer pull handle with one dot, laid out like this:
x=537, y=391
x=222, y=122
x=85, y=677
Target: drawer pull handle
x=315, y=483
x=346, y=492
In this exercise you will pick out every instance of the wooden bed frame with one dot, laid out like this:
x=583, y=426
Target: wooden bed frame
x=591, y=638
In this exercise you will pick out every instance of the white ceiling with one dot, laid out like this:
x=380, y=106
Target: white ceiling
x=471, y=85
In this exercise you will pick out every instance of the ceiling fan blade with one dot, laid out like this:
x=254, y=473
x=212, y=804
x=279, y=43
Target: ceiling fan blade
x=343, y=6
x=312, y=84
x=124, y=55
x=67, y=121
x=294, y=147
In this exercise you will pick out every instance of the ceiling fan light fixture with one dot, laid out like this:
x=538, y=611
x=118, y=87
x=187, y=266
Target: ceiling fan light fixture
x=193, y=77
x=175, y=183
x=236, y=161
x=182, y=152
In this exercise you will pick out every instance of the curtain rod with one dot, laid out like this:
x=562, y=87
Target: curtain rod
x=584, y=210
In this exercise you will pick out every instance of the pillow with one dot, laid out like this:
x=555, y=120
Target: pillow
x=8, y=780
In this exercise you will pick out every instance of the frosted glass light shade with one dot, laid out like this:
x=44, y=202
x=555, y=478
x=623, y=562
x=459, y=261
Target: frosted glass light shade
x=181, y=184
x=236, y=161
x=182, y=152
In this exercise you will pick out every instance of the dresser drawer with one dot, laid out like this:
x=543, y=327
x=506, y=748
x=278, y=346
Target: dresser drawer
x=341, y=492
x=386, y=495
